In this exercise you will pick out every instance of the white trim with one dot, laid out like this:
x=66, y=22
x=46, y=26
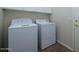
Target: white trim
x=65, y=45
x=73, y=34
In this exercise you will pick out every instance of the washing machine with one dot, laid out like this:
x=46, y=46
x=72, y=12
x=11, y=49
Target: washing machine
x=23, y=36
x=46, y=33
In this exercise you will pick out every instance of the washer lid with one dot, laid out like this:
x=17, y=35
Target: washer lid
x=42, y=21
x=21, y=21
x=20, y=26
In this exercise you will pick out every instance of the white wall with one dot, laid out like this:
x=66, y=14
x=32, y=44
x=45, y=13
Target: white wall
x=1, y=25
x=63, y=18
x=32, y=9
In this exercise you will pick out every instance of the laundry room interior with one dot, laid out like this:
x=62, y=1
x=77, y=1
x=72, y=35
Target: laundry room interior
x=39, y=29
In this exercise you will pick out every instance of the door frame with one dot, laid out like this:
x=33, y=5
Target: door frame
x=73, y=35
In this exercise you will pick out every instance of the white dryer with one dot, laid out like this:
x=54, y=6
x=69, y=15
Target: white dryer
x=22, y=36
x=47, y=33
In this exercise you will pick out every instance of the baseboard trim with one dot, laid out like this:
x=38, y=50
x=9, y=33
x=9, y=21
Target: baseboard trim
x=65, y=45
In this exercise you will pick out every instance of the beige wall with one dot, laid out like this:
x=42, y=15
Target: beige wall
x=63, y=18
x=1, y=25
x=12, y=14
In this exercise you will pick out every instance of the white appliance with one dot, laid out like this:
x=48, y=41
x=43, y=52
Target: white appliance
x=22, y=36
x=47, y=33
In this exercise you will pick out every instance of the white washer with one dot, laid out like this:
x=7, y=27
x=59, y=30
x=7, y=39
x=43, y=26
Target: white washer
x=22, y=35
x=47, y=33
